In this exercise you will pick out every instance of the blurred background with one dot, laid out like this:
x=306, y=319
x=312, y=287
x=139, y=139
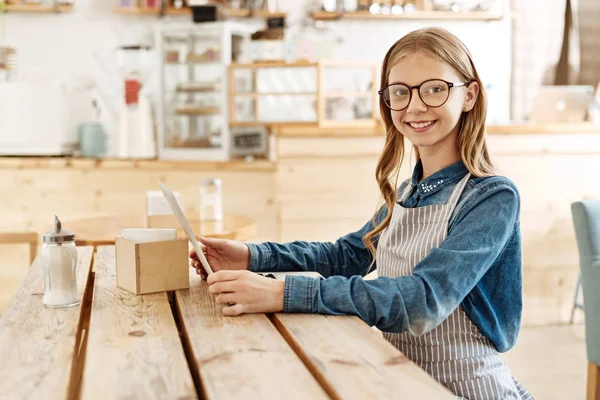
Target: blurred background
x=271, y=106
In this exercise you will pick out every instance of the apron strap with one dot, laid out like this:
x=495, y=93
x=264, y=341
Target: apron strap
x=405, y=192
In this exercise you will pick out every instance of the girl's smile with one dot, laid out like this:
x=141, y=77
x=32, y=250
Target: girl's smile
x=421, y=126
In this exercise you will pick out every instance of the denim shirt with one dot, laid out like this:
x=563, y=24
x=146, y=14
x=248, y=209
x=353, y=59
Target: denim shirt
x=477, y=266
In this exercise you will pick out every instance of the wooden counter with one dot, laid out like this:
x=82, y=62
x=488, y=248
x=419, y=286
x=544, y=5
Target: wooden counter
x=87, y=163
x=562, y=128
x=322, y=186
x=379, y=130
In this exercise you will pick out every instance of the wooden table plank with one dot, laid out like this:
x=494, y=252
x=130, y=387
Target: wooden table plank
x=352, y=361
x=134, y=349
x=241, y=357
x=38, y=344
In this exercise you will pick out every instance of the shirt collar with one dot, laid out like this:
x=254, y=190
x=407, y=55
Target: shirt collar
x=439, y=180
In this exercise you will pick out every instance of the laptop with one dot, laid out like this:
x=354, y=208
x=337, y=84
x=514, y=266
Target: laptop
x=562, y=103
x=183, y=222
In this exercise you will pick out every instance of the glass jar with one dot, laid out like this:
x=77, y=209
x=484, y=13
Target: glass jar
x=211, y=200
x=59, y=262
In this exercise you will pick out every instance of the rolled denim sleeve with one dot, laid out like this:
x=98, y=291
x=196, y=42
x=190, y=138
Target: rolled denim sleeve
x=421, y=301
x=348, y=256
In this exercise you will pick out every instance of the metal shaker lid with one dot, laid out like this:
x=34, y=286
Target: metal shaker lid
x=211, y=182
x=57, y=234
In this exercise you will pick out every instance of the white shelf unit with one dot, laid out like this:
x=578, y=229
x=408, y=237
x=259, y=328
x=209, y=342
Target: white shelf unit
x=193, y=115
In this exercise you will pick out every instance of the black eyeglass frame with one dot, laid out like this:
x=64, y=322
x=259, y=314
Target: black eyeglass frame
x=418, y=87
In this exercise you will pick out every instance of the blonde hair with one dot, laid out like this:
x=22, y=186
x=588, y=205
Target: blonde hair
x=445, y=47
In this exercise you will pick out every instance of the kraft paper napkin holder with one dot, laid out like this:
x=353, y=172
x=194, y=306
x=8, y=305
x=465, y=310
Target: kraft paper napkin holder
x=152, y=266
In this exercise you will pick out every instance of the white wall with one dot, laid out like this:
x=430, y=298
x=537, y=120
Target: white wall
x=79, y=46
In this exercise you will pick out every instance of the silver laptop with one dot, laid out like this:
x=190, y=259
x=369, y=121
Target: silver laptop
x=562, y=104
x=192, y=238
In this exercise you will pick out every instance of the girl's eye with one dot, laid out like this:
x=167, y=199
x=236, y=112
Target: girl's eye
x=434, y=89
x=400, y=92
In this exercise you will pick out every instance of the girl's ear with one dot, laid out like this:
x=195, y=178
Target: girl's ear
x=471, y=98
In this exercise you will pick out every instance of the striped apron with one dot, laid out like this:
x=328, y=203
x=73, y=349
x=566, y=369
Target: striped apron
x=455, y=353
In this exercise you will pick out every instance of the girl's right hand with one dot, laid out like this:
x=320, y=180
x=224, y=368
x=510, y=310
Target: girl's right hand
x=221, y=254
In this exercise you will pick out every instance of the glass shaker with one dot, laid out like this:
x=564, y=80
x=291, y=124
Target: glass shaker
x=59, y=261
x=211, y=200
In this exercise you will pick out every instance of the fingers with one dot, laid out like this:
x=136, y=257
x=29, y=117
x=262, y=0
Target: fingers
x=234, y=310
x=222, y=287
x=199, y=268
x=202, y=273
x=218, y=244
x=193, y=251
x=226, y=298
x=223, y=276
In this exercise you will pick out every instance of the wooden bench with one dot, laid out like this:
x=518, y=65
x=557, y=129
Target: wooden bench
x=179, y=346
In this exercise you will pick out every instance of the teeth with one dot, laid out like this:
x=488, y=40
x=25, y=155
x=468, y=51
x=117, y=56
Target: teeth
x=420, y=125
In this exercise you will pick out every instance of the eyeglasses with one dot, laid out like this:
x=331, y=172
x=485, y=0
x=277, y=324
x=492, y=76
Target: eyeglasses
x=433, y=93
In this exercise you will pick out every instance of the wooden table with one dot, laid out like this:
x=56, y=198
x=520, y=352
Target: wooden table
x=179, y=346
x=103, y=230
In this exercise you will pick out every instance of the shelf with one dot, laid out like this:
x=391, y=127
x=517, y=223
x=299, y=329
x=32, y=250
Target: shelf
x=273, y=124
x=147, y=11
x=205, y=63
x=236, y=12
x=415, y=15
x=197, y=92
x=137, y=10
x=275, y=64
x=228, y=12
x=348, y=94
x=197, y=111
x=254, y=94
x=206, y=90
x=178, y=11
x=325, y=16
x=36, y=8
x=266, y=14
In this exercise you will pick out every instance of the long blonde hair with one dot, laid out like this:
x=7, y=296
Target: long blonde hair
x=444, y=46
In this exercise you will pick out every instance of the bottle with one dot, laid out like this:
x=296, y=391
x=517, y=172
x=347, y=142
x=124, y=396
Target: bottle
x=211, y=200
x=59, y=262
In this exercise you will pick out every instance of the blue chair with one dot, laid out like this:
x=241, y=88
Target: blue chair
x=576, y=304
x=586, y=219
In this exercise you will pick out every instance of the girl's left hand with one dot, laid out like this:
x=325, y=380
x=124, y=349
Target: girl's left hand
x=244, y=292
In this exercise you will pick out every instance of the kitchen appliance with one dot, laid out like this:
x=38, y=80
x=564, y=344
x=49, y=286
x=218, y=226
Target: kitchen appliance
x=35, y=120
x=136, y=126
x=249, y=141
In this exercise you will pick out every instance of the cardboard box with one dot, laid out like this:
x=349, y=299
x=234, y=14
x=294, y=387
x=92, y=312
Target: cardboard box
x=152, y=267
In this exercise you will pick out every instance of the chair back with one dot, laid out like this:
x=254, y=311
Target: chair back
x=586, y=219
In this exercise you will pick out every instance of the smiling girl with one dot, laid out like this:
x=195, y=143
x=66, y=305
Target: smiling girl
x=446, y=244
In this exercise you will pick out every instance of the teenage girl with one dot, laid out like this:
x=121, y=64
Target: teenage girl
x=446, y=244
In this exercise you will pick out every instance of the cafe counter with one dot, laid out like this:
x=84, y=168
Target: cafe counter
x=320, y=185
